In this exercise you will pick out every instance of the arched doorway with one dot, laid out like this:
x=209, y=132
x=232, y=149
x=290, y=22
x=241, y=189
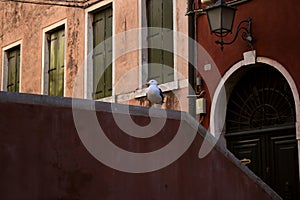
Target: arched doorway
x=260, y=127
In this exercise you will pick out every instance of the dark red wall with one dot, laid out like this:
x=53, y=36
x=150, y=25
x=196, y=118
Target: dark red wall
x=42, y=157
x=275, y=29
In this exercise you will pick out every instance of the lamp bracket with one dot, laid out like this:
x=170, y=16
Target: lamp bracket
x=245, y=27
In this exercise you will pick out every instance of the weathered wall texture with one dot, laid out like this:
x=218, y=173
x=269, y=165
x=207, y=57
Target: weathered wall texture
x=126, y=46
x=25, y=22
x=42, y=157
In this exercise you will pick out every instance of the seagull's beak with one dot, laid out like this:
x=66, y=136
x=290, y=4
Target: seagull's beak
x=147, y=84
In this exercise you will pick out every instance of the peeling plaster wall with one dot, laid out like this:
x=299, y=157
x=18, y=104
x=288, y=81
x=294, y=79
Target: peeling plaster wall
x=126, y=66
x=127, y=60
x=75, y=50
x=25, y=22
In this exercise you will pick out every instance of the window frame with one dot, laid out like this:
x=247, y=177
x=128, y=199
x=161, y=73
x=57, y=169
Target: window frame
x=5, y=51
x=46, y=55
x=143, y=54
x=88, y=61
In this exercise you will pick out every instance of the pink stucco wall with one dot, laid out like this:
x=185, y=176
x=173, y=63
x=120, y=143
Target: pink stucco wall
x=25, y=23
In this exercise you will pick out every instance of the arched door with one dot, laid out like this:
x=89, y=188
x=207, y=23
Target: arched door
x=260, y=128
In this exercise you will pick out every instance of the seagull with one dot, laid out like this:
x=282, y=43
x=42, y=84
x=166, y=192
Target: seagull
x=154, y=93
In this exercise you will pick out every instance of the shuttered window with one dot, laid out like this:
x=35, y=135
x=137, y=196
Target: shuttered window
x=102, y=54
x=56, y=66
x=160, y=58
x=13, y=56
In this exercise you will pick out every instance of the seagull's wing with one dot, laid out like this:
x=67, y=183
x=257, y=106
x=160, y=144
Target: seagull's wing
x=161, y=94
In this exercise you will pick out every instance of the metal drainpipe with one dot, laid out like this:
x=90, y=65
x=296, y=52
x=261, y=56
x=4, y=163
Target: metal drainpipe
x=191, y=56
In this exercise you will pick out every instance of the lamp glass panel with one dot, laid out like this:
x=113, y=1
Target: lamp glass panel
x=214, y=19
x=227, y=18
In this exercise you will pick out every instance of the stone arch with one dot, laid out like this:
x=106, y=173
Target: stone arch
x=218, y=108
x=219, y=100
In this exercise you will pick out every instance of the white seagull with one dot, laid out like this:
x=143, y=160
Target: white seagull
x=154, y=93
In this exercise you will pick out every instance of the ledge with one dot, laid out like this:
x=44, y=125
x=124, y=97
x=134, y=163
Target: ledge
x=166, y=87
x=139, y=93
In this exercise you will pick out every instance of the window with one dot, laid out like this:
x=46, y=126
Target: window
x=53, y=59
x=11, y=68
x=102, y=53
x=56, y=63
x=160, y=58
x=13, y=77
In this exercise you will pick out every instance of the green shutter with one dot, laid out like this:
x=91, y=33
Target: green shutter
x=154, y=16
x=52, y=65
x=17, y=81
x=156, y=12
x=61, y=62
x=98, y=55
x=56, y=67
x=167, y=40
x=167, y=18
x=13, y=70
x=102, y=54
x=108, y=52
x=160, y=15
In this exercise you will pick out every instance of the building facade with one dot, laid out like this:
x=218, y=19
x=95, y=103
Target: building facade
x=107, y=50
x=253, y=92
x=99, y=50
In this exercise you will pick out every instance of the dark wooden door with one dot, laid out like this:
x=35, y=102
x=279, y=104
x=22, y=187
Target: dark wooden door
x=272, y=155
x=260, y=126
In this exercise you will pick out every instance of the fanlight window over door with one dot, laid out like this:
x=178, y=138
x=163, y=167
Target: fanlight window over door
x=259, y=103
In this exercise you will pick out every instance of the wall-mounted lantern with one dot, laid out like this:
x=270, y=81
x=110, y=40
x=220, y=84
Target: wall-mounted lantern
x=221, y=17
